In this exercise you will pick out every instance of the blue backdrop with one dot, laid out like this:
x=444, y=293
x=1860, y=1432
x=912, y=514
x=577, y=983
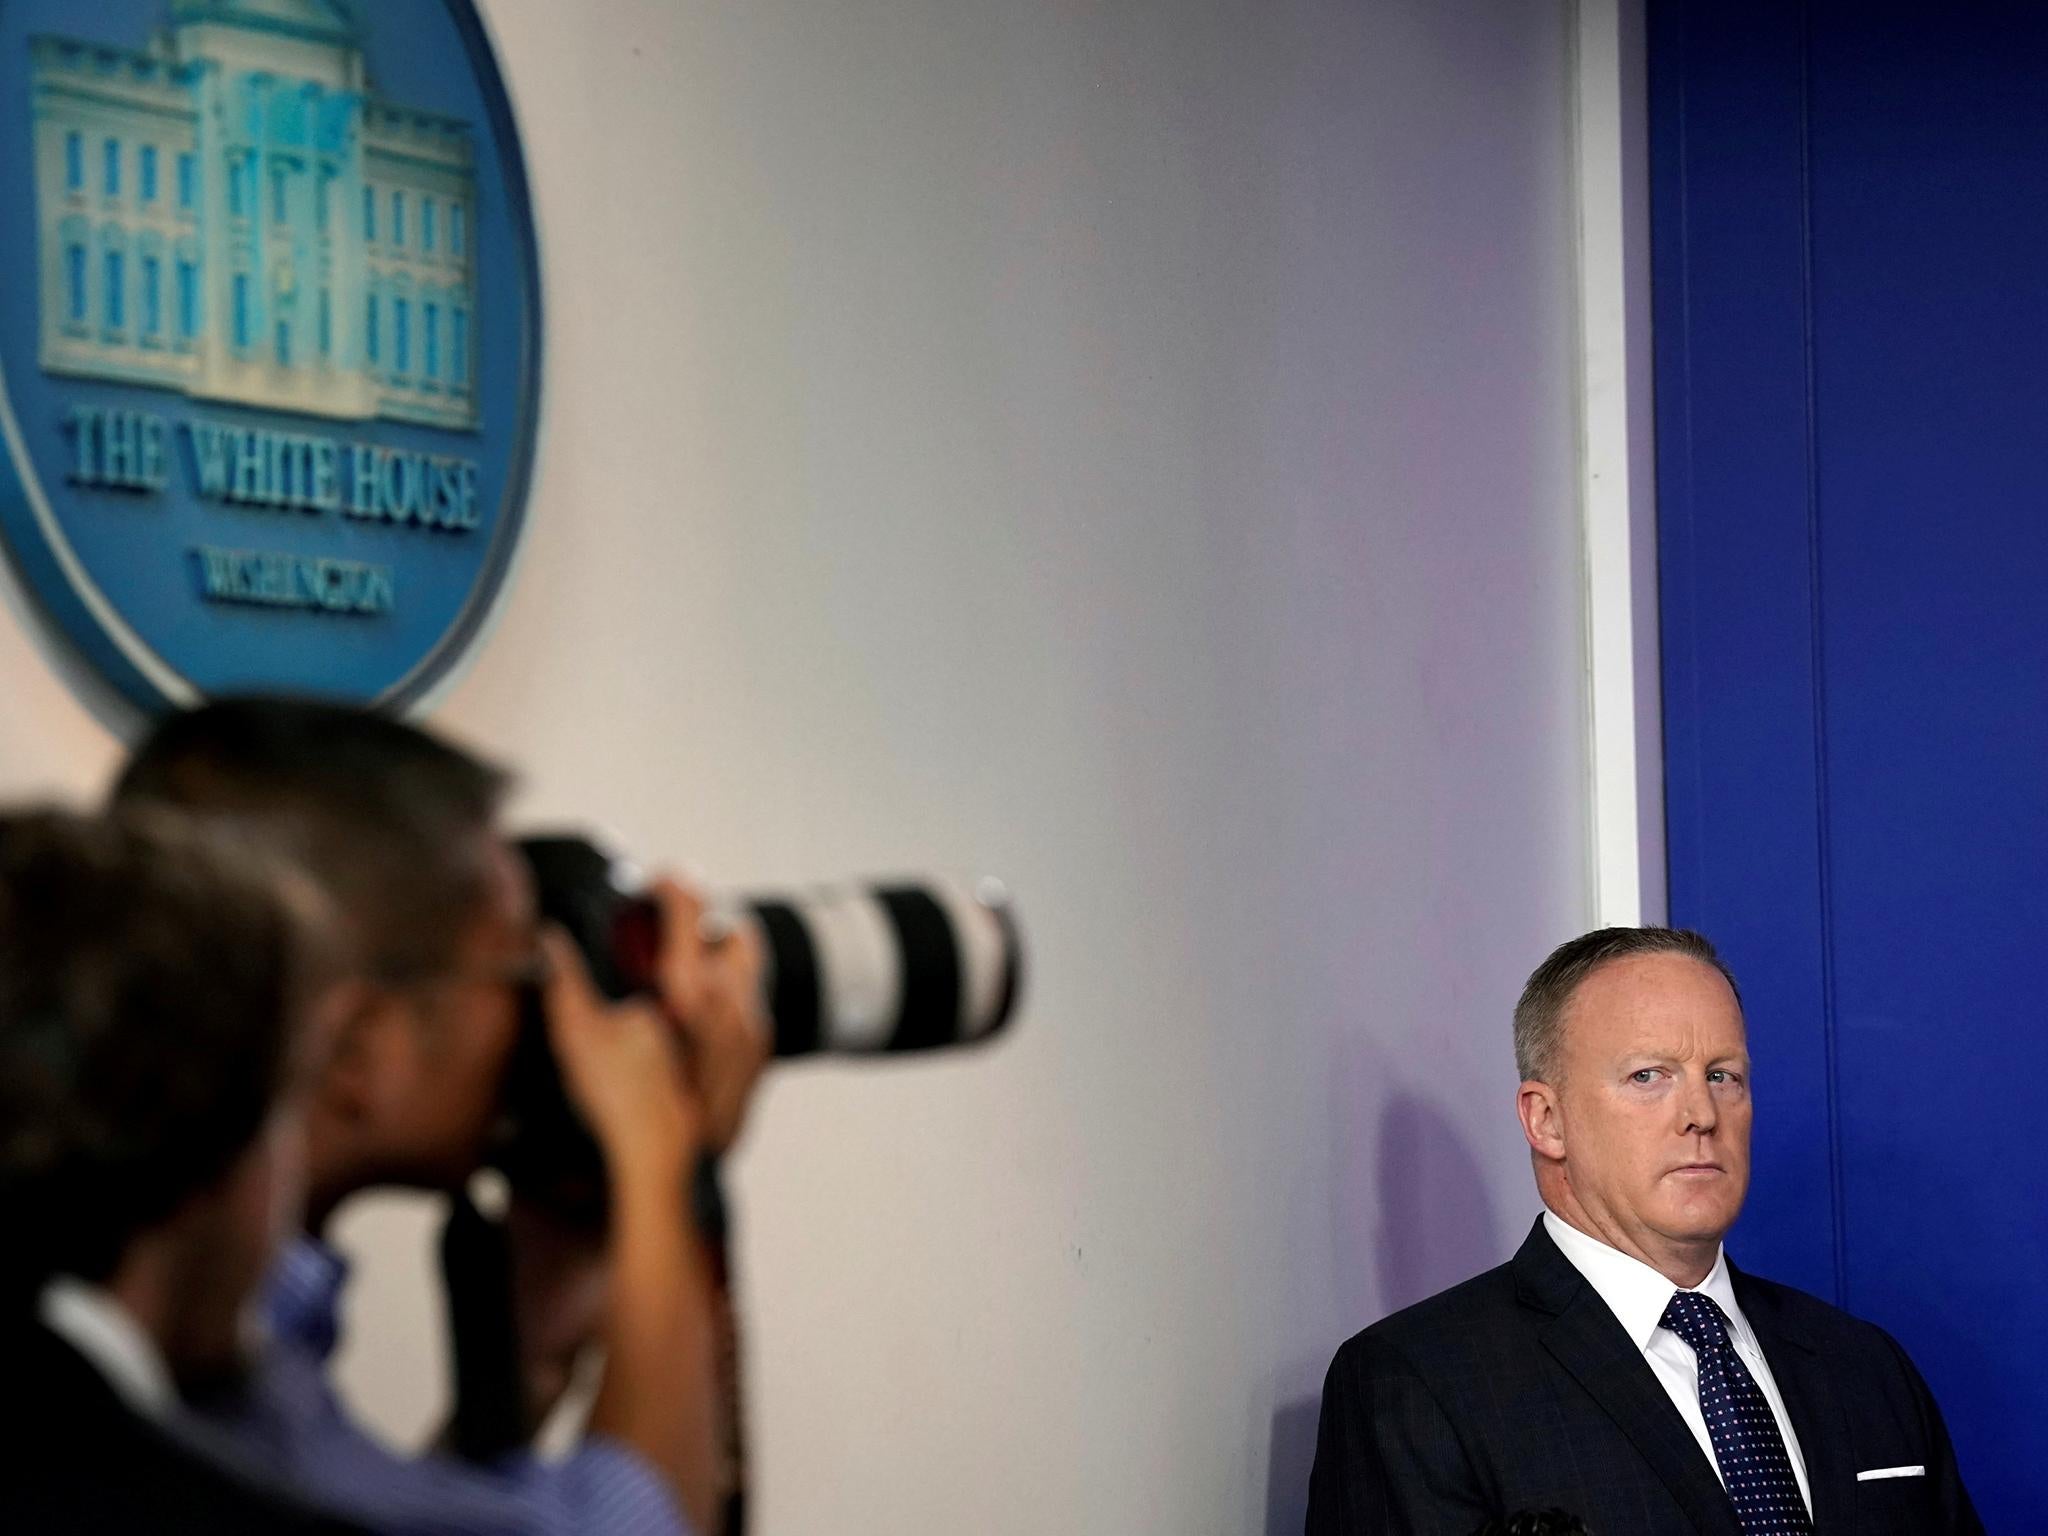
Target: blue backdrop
x=1850, y=207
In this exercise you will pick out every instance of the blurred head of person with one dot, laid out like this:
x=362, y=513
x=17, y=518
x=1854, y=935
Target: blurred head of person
x=435, y=912
x=162, y=1020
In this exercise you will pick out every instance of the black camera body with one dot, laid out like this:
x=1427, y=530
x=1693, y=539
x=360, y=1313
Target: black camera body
x=854, y=970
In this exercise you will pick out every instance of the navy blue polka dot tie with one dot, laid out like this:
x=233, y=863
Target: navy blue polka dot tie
x=1754, y=1467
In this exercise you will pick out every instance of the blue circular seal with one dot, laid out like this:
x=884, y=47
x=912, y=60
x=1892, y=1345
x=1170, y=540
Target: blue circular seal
x=269, y=343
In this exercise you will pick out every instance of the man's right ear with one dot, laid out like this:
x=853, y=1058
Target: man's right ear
x=1542, y=1119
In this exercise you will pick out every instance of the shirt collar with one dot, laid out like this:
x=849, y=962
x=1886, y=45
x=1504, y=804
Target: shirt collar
x=92, y=1322
x=1635, y=1293
x=302, y=1299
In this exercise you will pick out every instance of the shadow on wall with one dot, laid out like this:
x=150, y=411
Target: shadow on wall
x=1437, y=1221
x=1437, y=1226
x=1288, y=1459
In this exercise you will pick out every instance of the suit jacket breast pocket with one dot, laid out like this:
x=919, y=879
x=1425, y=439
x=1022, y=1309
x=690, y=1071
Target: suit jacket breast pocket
x=1894, y=1506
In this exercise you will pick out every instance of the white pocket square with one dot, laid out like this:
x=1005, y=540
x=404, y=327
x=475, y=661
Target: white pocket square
x=1877, y=1472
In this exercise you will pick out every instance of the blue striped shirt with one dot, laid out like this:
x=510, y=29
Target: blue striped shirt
x=295, y=1426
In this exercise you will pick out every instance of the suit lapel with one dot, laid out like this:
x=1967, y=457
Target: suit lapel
x=1819, y=1416
x=1589, y=1342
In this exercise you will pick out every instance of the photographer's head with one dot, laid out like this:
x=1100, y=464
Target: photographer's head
x=158, y=1034
x=400, y=828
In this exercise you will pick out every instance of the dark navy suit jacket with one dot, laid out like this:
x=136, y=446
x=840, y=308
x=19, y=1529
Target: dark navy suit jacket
x=1520, y=1390
x=77, y=1461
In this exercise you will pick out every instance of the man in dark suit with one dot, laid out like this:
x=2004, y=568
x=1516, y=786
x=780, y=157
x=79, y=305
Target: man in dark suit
x=158, y=1020
x=1618, y=1367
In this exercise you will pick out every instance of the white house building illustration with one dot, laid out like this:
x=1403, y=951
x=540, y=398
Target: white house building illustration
x=234, y=213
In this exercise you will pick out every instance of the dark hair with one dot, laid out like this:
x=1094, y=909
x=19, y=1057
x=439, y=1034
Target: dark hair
x=151, y=981
x=390, y=819
x=1539, y=1015
x=1535, y=1522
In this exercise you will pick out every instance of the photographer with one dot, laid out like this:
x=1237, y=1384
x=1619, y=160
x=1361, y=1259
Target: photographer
x=438, y=916
x=162, y=1015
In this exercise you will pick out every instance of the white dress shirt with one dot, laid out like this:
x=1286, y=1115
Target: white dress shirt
x=113, y=1343
x=1637, y=1295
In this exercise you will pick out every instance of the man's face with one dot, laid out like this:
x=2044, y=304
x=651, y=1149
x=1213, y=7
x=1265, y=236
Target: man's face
x=448, y=1066
x=1655, y=1101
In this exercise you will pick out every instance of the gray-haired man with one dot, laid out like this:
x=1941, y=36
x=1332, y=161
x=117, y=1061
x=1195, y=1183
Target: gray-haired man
x=1619, y=1367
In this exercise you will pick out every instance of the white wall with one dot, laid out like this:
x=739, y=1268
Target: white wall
x=1130, y=448
x=1611, y=135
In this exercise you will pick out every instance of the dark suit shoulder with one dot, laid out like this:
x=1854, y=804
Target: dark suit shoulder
x=1861, y=1355
x=1489, y=1293
x=1801, y=1315
x=1461, y=1347
x=1446, y=1319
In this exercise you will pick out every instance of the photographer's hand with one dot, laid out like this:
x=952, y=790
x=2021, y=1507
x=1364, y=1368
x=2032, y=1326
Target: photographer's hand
x=620, y=1065
x=711, y=988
